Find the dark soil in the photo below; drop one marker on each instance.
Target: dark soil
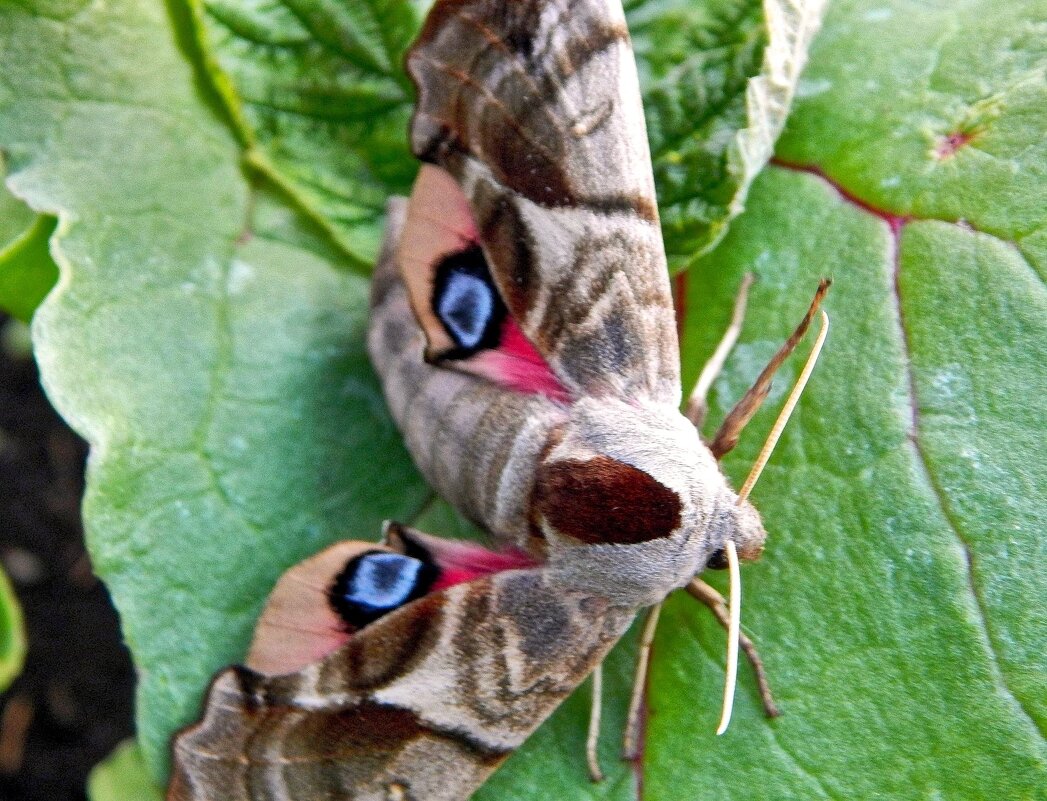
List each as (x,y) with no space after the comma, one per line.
(73,702)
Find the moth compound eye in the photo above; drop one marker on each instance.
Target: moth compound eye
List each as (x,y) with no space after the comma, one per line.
(467,303)
(376,583)
(718,560)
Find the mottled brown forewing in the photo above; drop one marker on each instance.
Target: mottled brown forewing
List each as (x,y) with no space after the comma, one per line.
(534,107)
(423,704)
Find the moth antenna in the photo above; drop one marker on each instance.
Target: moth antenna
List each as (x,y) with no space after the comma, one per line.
(733,632)
(697,405)
(735,622)
(593,739)
(738,418)
(786,412)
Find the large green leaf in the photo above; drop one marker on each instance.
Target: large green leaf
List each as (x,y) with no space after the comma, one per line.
(901,601)
(206,341)
(212,356)
(959,139)
(319,95)
(879,646)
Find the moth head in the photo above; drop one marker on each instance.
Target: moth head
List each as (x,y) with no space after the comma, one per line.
(742,525)
(631,495)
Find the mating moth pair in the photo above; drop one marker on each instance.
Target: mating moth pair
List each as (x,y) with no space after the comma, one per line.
(523,329)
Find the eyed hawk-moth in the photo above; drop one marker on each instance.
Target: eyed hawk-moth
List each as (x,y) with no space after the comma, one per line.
(523,330)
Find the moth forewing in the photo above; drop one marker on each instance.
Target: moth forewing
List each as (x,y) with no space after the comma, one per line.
(418,698)
(523,331)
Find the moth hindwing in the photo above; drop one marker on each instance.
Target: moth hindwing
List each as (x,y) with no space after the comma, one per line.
(523,330)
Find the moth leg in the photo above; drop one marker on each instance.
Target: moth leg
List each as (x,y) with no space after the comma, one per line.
(731,427)
(593,739)
(697,404)
(630,741)
(711,598)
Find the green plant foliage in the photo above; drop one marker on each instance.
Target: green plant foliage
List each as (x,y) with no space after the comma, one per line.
(869,601)
(319,95)
(718,78)
(203,340)
(901,600)
(122,776)
(206,338)
(12,634)
(27,272)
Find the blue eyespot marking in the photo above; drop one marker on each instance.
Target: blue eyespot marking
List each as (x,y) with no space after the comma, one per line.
(467,303)
(383,581)
(376,583)
(465,308)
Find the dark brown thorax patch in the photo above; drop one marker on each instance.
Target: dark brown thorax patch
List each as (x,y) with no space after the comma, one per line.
(604,500)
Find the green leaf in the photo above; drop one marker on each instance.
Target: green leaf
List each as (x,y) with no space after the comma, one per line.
(718,78)
(319,95)
(899,605)
(27,271)
(12,634)
(213,358)
(958,139)
(122,776)
(876,642)
(207,340)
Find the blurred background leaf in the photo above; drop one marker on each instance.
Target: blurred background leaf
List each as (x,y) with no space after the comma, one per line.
(12,634)
(27,271)
(122,776)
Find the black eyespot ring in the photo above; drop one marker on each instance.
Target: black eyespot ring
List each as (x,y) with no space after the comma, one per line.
(466,302)
(718,560)
(378,582)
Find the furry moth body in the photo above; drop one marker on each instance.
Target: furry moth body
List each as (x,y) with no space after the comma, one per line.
(530,125)
(524,334)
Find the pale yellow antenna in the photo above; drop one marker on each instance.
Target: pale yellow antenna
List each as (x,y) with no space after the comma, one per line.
(735,608)
(786,413)
(733,630)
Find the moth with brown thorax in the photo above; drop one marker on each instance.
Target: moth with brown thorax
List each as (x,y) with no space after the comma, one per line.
(523,329)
